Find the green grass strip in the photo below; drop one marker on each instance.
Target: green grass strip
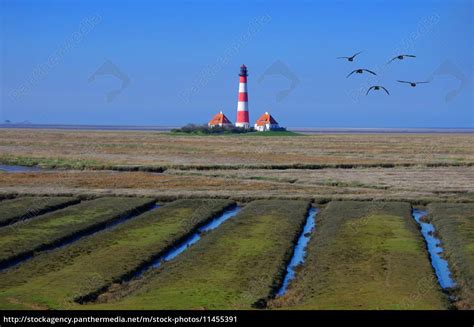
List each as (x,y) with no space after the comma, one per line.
(365,255)
(24,208)
(26,237)
(454,223)
(55,279)
(241,263)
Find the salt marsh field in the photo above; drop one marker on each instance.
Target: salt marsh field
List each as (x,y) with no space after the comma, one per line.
(151,220)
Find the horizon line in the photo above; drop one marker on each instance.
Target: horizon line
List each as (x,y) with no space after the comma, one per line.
(313,129)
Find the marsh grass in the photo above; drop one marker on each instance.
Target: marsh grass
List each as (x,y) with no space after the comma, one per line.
(365,255)
(454,224)
(84,149)
(27,237)
(89,266)
(237,266)
(23,208)
(414,184)
(274,134)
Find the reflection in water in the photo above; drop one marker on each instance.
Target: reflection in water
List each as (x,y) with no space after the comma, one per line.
(439,264)
(300,250)
(19,169)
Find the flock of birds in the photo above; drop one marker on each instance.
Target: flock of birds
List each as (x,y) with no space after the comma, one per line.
(380,87)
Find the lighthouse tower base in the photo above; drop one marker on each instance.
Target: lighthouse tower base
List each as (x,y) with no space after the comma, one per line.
(243,125)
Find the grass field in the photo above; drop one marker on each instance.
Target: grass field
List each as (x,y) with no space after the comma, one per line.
(274,133)
(396,167)
(54,279)
(454,184)
(455,226)
(366,253)
(29,236)
(365,256)
(80,149)
(229,134)
(24,208)
(234,267)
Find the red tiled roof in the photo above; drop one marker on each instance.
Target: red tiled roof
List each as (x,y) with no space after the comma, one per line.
(264,119)
(219,118)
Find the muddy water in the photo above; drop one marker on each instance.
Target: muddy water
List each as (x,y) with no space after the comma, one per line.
(19,169)
(300,250)
(189,241)
(439,264)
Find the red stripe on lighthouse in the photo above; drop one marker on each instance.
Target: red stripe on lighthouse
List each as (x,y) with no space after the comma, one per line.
(243,79)
(243,97)
(242,116)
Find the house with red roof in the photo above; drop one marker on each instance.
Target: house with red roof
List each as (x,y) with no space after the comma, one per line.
(266,123)
(220,120)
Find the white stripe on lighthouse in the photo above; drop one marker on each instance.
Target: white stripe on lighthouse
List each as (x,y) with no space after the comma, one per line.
(242,106)
(242,87)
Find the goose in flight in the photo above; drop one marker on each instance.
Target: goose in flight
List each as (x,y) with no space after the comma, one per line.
(377,87)
(360,71)
(350,58)
(413,84)
(401,57)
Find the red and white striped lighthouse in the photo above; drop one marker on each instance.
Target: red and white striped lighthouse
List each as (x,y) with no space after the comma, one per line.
(243,104)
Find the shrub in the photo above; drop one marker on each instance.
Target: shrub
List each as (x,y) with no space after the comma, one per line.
(204,129)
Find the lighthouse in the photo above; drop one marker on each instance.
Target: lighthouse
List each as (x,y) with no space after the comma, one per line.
(243,102)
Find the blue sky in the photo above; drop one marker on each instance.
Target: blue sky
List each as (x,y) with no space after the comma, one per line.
(182,60)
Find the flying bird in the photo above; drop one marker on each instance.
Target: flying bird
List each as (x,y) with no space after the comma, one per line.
(350,58)
(413,84)
(401,57)
(360,71)
(377,87)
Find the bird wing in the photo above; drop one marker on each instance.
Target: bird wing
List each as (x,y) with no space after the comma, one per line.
(411,56)
(342,58)
(370,88)
(356,54)
(385,90)
(392,59)
(370,71)
(352,72)
(421,82)
(403,82)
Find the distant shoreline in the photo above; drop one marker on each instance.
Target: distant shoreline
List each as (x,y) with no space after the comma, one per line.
(309,130)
